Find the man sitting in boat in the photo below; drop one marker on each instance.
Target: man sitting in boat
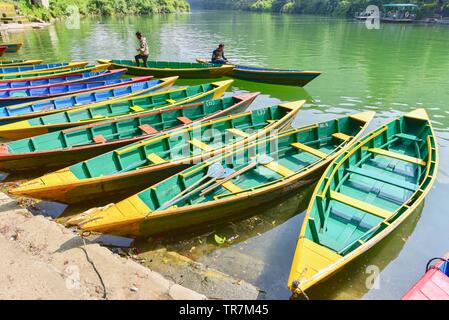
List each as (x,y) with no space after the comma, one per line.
(218,56)
(144,52)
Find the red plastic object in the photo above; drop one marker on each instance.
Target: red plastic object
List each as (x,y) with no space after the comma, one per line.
(434,285)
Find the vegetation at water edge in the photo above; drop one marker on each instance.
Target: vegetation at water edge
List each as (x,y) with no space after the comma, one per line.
(346,8)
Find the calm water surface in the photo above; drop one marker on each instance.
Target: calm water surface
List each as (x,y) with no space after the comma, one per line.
(390,71)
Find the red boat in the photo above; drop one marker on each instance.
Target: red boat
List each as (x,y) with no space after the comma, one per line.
(2,50)
(434,285)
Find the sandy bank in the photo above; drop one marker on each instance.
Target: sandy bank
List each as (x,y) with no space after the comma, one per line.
(44,260)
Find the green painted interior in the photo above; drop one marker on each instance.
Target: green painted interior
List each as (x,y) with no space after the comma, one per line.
(123,107)
(280,149)
(121,129)
(176,146)
(375,179)
(170,65)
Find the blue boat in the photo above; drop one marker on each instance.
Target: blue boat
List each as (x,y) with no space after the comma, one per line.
(289,77)
(274,76)
(64,79)
(43,67)
(48,106)
(14,96)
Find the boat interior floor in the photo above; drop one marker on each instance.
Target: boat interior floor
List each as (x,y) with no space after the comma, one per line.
(369,193)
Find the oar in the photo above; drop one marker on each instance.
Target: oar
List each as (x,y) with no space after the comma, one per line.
(214,172)
(263,159)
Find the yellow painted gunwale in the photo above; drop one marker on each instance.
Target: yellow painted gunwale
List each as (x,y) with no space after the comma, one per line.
(335,267)
(269,70)
(224,66)
(23,63)
(95,68)
(244,194)
(70,66)
(72,182)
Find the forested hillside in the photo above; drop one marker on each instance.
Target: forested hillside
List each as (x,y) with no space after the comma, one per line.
(326,7)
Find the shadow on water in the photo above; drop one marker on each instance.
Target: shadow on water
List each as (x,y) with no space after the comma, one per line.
(280,92)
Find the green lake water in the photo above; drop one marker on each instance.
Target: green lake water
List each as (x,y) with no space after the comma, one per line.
(390,71)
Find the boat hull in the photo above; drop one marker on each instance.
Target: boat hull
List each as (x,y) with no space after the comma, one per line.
(95,188)
(70,90)
(187,73)
(299,78)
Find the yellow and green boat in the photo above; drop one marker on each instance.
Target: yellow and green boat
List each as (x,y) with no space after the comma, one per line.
(224,186)
(18,63)
(140,164)
(60,148)
(104,111)
(365,193)
(185,70)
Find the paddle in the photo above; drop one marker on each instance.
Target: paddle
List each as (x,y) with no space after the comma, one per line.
(215,171)
(263,159)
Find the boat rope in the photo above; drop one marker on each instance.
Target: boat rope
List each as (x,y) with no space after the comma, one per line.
(93,266)
(296,286)
(428,266)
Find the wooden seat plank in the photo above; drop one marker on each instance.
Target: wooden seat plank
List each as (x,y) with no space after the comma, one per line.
(310,150)
(397,156)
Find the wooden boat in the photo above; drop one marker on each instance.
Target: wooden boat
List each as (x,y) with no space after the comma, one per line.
(65,79)
(18,63)
(363,195)
(434,285)
(45,74)
(104,111)
(271,75)
(253,175)
(12,47)
(16,96)
(69,102)
(136,166)
(2,50)
(76,144)
(8,71)
(185,70)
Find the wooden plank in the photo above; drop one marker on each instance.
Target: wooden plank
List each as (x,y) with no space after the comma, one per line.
(99,139)
(148,129)
(231,187)
(136,108)
(398,156)
(237,132)
(361,205)
(201,145)
(341,136)
(310,150)
(375,176)
(184,120)
(154,158)
(278,168)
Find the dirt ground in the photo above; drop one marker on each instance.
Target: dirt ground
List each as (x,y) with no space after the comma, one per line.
(43,260)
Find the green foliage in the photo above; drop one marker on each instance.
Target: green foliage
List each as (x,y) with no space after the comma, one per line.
(58,8)
(325,7)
